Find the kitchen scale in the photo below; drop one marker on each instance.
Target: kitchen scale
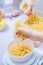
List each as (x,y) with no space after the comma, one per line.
(36,59)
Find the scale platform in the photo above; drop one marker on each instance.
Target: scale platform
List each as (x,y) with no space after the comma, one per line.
(36,59)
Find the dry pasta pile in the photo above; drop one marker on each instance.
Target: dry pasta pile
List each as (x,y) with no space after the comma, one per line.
(19,50)
(19,24)
(35,22)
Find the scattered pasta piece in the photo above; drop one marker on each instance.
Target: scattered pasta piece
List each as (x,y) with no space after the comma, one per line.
(35,22)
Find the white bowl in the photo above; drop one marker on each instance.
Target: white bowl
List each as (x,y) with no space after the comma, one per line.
(27,42)
(2,25)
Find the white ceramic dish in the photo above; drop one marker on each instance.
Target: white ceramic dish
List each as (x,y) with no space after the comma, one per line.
(27,42)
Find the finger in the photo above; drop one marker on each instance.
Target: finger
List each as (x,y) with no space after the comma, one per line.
(25,30)
(31,33)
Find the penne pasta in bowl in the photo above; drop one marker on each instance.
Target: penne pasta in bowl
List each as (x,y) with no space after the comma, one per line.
(20,51)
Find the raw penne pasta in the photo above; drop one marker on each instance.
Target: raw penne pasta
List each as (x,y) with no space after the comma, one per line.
(20,50)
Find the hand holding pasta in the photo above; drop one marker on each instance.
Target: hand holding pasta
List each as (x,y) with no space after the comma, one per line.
(35,26)
(18,33)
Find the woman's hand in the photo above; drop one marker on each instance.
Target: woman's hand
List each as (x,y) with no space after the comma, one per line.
(27,7)
(34,35)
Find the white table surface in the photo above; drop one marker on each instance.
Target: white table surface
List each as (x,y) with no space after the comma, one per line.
(7,35)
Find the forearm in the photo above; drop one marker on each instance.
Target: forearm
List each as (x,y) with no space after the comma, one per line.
(38,36)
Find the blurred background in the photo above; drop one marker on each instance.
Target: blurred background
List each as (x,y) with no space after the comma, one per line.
(12,4)
(4,3)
